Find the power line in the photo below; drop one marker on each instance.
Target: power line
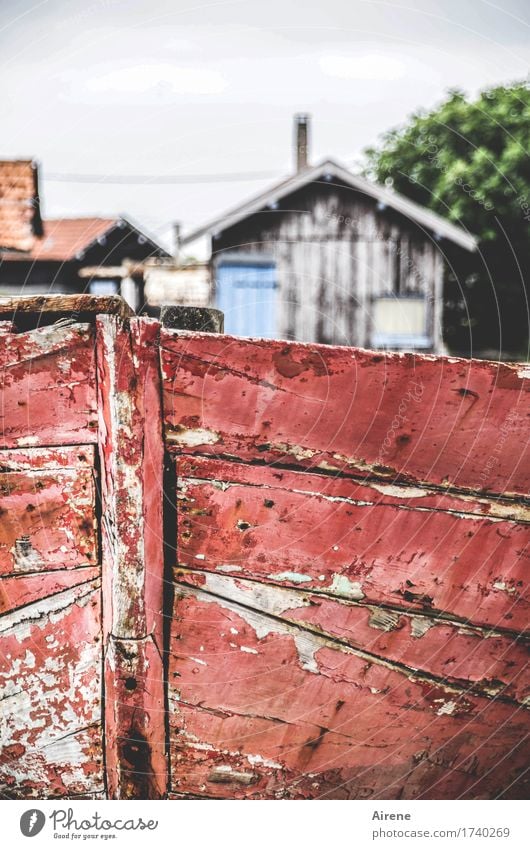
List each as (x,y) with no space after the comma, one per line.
(159,179)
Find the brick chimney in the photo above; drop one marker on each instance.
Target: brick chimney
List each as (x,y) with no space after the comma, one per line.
(301,141)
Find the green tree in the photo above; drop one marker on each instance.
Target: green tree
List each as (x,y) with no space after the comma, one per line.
(468,161)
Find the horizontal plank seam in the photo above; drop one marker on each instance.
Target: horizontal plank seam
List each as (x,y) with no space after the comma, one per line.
(337,642)
(93,583)
(362,503)
(70,734)
(248,378)
(397,479)
(435,616)
(61,569)
(322,729)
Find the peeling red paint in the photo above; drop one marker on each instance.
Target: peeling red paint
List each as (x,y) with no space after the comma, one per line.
(47,510)
(311,719)
(48,387)
(50,689)
(349,617)
(428,552)
(131,452)
(338,412)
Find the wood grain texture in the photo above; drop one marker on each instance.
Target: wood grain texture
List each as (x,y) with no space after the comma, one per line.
(264,709)
(47,509)
(66,305)
(21,590)
(342,639)
(412,549)
(483,661)
(441,421)
(50,692)
(131,457)
(48,387)
(351,583)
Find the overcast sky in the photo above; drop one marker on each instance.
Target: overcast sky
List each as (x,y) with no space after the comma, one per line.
(180,87)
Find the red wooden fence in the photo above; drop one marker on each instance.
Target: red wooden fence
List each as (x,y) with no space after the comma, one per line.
(258,569)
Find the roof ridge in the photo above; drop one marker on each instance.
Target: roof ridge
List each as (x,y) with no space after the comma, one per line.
(409,208)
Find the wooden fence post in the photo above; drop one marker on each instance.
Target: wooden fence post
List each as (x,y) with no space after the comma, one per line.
(131,455)
(200,319)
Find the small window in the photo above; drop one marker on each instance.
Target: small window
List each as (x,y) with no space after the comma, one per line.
(400,322)
(103,287)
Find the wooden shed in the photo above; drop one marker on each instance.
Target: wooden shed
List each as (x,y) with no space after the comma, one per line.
(328,256)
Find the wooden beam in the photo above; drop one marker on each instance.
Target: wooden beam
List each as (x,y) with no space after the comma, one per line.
(131,456)
(74,305)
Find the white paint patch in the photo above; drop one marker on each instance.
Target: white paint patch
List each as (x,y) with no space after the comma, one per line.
(27,440)
(419,625)
(256,760)
(228,567)
(194,438)
(306,644)
(268,599)
(342,586)
(447,708)
(502,585)
(400,491)
(293,577)
(384,620)
(200,557)
(294,450)
(248,650)
(201,662)
(66,751)
(524,372)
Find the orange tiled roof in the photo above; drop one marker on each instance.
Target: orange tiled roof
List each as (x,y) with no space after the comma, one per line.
(63,238)
(19,205)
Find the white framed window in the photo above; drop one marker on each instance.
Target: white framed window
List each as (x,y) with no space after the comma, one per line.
(400,321)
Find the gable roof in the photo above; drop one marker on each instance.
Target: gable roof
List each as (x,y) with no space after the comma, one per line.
(328,171)
(67,239)
(19,204)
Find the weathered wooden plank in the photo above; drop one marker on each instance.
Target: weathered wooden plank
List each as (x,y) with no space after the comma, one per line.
(486,662)
(263,709)
(360,542)
(50,691)
(38,459)
(48,387)
(444,421)
(47,509)
(131,455)
(65,305)
(20,590)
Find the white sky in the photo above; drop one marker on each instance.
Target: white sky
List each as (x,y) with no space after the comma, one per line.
(182,87)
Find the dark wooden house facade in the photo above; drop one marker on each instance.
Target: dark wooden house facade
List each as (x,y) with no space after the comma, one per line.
(327,256)
(46,256)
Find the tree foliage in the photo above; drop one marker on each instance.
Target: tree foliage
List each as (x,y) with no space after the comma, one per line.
(468,161)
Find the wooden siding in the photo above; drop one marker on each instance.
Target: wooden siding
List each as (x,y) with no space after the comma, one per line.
(311,580)
(48,387)
(50,593)
(336,251)
(347,623)
(131,453)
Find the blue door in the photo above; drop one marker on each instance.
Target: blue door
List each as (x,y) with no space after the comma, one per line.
(246,293)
